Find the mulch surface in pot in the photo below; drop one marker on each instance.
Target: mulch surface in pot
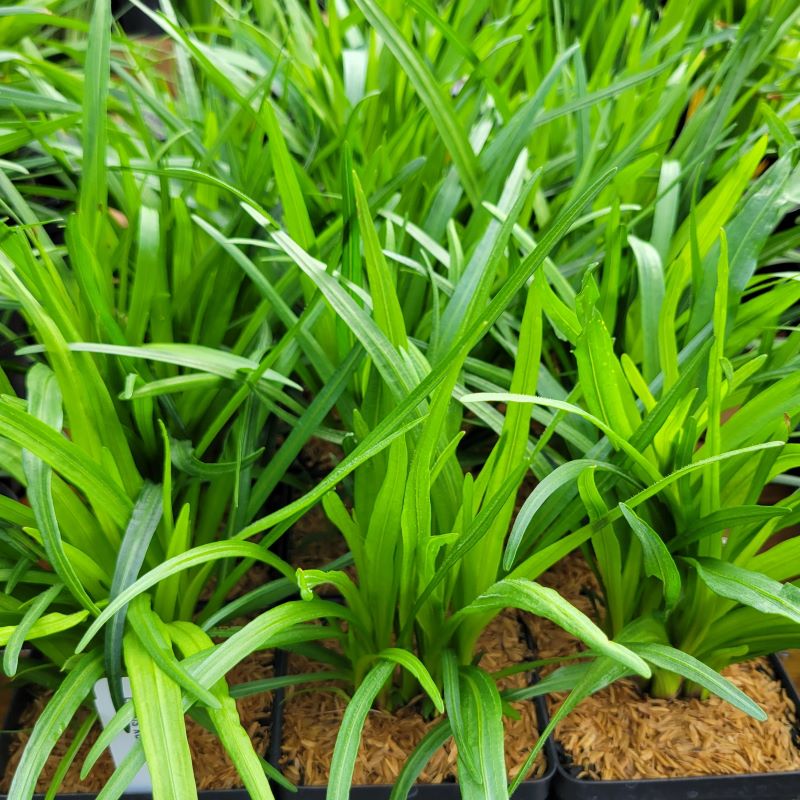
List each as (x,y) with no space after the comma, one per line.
(313,542)
(620,733)
(212,768)
(312,718)
(319,456)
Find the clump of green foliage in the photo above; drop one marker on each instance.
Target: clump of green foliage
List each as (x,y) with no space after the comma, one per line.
(371,223)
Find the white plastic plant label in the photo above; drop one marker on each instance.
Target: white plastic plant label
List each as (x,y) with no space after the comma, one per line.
(124,741)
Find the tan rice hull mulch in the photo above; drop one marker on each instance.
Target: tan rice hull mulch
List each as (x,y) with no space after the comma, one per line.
(621,734)
(212,767)
(311,723)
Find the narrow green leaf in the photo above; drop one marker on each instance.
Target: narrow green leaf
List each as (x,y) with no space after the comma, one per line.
(482,734)
(44,404)
(544,602)
(33,614)
(607,551)
(666,207)
(225,716)
(710,498)
(385,305)
(183,457)
(472,291)
(749,588)
(658,562)
(616,440)
(651,296)
(144,520)
(409,662)
(123,775)
(68,758)
(598,674)
(67,458)
(157,702)
(419,758)
(53,721)
(437,103)
(191,558)
(119,722)
(349,736)
(399,377)
(192,356)
(696,671)
(294,208)
(46,625)
(561,476)
(452,696)
(607,393)
(147,628)
(732,517)
(93,199)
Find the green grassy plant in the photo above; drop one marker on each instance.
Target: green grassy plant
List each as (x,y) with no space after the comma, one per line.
(722,383)
(357,223)
(680,534)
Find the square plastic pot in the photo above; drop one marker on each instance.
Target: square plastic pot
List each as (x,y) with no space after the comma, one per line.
(753,786)
(20,701)
(535,789)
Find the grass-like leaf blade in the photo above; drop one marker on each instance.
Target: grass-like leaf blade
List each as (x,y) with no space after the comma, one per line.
(144,520)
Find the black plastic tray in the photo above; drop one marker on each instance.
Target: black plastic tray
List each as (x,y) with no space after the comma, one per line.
(535,789)
(754,786)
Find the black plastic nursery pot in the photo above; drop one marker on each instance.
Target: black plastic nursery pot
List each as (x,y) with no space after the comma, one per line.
(133,21)
(20,701)
(763,786)
(535,789)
